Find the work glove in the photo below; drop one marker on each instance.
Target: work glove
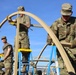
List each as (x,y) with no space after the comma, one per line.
(73,43)
(49,42)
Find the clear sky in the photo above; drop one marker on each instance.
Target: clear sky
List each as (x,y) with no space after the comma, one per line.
(47,10)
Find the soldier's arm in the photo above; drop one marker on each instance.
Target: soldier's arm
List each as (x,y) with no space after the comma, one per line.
(73,43)
(49,40)
(8,52)
(54,29)
(69,44)
(27,22)
(72,34)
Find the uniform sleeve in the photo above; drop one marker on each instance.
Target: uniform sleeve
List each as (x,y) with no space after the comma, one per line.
(27,19)
(73,43)
(54,29)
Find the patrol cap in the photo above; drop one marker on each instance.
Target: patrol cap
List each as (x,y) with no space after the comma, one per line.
(66,9)
(4,37)
(21,8)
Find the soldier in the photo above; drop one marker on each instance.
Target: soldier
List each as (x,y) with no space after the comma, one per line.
(7,58)
(24,22)
(65,30)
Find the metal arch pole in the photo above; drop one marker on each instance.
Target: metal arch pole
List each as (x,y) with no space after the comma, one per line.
(54,38)
(56,61)
(41,53)
(51,54)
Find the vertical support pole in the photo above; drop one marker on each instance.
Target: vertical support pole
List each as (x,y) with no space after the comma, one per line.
(28,64)
(51,54)
(16,47)
(56,61)
(41,53)
(19,61)
(32,61)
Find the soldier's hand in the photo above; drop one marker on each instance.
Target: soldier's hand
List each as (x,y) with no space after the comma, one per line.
(73,44)
(8,18)
(48,43)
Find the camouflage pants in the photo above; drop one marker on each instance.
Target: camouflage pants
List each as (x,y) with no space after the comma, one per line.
(7,68)
(23,43)
(71,55)
(23,40)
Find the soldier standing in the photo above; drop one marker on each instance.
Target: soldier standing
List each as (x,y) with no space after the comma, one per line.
(24,22)
(8,58)
(65,30)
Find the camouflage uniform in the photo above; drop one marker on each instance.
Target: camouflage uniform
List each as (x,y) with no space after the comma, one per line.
(23,32)
(65,31)
(8,62)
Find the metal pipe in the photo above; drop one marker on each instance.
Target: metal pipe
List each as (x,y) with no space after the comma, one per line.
(41,53)
(16,47)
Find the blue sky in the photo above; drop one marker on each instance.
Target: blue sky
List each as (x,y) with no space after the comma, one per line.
(47,10)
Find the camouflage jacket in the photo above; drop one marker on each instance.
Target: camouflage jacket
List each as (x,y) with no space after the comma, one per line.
(5,48)
(22,21)
(64,31)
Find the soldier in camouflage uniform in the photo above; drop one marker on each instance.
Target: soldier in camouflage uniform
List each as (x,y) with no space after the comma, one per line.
(7,59)
(65,30)
(24,22)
